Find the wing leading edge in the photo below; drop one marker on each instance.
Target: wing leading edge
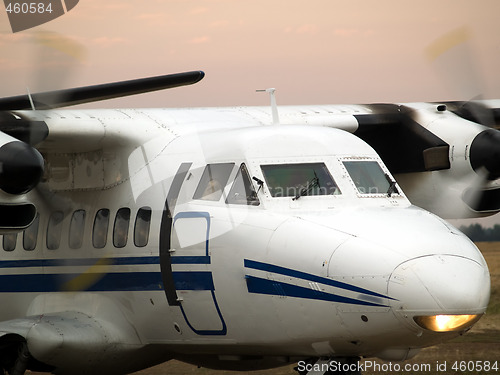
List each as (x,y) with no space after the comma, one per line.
(88,94)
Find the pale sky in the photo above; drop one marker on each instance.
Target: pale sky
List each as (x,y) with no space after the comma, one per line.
(312,52)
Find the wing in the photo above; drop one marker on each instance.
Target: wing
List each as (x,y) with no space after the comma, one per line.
(88,94)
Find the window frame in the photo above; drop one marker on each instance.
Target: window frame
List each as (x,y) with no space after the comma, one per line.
(54,230)
(11,236)
(121,231)
(369,191)
(138,227)
(30,234)
(100,228)
(294,191)
(219,181)
(243,175)
(75,239)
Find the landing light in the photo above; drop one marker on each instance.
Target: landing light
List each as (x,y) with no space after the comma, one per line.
(446,323)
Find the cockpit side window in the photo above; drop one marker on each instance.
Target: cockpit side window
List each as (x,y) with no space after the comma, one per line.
(212,181)
(368,176)
(296,180)
(242,191)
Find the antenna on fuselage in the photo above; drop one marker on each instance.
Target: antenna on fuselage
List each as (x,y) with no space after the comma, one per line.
(274,107)
(31,99)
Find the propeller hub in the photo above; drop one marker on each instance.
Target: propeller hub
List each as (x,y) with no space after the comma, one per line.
(21,167)
(485,153)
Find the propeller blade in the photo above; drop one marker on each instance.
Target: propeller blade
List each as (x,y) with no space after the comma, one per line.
(485,153)
(88,94)
(481,195)
(451,56)
(475,111)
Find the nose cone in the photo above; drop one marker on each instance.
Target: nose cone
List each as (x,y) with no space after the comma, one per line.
(439,285)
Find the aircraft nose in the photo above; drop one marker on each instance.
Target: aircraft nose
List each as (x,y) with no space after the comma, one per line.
(440,292)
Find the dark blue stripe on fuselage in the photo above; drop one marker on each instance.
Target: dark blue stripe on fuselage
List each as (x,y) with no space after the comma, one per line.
(46,283)
(307,276)
(190,259)
(83,281)
(102,282)
(20,263)
(271,287)
(105,281)
(193,280)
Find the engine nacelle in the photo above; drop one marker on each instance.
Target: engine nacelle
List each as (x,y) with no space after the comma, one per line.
(21,166)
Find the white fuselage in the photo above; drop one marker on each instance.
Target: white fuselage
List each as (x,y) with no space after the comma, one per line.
(218,279)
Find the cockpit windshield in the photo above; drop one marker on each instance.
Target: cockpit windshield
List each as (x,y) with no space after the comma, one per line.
(369,177)
(296,180)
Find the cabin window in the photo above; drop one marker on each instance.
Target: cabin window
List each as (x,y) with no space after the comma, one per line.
(368,176)
(242,191)
(141,226)
(120,229)
(76,229)
(9,241)
(30,235)
(296,180)
(100,229)
(212,181)
(54,230)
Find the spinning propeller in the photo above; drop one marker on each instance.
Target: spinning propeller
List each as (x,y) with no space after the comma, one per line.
(451,55)
(22,166)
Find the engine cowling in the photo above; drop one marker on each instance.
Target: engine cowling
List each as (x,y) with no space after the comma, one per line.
(21,166)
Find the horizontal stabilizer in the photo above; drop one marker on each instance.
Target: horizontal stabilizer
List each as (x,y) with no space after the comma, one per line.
(88,94)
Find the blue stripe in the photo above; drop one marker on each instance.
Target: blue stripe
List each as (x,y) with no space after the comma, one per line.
(22,263)
(190,259)
(307,276)
(193,280)
(271,287)
(127,281)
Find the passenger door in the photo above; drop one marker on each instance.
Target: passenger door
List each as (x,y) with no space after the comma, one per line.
(189,258)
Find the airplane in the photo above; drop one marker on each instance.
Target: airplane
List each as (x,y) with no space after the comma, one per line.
(237,238)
